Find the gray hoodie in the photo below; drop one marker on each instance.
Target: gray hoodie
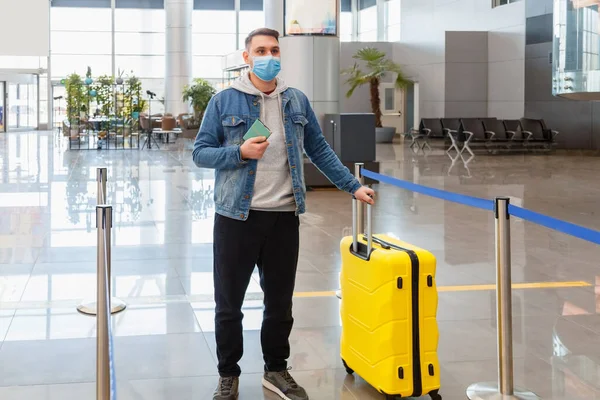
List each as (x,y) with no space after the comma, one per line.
(273,189)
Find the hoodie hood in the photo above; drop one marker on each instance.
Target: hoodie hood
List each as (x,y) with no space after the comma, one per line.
(245,85)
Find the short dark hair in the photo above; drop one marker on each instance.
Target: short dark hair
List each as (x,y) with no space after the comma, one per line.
(261,32)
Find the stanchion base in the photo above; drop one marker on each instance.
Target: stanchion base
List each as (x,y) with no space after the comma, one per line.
(490,391)
(90,308)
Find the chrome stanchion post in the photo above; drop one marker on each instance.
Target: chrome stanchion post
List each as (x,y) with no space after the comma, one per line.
(504,389)
(504,298)
(360,213)
(117,305)
(103,224)
(101,174)
(358,221)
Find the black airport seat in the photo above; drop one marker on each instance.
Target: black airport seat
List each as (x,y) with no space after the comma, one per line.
(451,125)
(429,128)
(474,130)
(432,127)
(464,133)
(496,126)
(452,128)
(513,125)
(537,132)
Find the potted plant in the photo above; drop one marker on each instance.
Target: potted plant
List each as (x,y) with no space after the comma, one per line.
(119,80)
(134,104)
(76,98)
(88,76)
(377,66)
(198,94)
(104,94)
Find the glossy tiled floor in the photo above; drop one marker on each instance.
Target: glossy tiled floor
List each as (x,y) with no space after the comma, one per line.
(162,267)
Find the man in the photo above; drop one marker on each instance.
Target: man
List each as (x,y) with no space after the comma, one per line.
(259,194)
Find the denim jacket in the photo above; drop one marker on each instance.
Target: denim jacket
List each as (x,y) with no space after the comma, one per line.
(227,118)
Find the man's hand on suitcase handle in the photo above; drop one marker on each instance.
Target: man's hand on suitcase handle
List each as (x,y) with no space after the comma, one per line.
(365,194)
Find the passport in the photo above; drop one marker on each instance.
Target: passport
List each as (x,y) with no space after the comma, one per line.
(257,129)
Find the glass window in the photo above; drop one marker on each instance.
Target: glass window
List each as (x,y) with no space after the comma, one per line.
(142,66)
(496,3)
(208,67)
(389,99)
(346,5)
(207,21)
(80,19)
(81,3)
(127,20)
(137,4)
(367,36)
(157,86)
(254,5)
(43,85)
(214,4)
(213,44)
(362,4)
(129,43)
(32,101)
(392,20)
(346,27)
(393,33)
(251,20)
(81,43)
(367,20)
(392,12)
(63,65)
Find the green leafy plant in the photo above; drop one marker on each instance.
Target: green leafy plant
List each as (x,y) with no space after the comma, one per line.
(198,94)
(105,94)
(377,66)
(133,96)
(76,96)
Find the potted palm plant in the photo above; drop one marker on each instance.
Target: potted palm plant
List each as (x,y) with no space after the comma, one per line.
(377,67)
(198,95)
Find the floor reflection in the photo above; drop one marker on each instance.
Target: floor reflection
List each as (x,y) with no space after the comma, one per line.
(163,213)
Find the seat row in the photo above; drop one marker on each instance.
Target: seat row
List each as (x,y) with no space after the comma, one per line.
(492,133)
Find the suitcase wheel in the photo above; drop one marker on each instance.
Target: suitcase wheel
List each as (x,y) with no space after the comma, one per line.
(349,370)
(435,395)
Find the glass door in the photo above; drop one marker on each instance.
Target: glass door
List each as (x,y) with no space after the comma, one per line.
(2,106)
(22,106)
(14,113)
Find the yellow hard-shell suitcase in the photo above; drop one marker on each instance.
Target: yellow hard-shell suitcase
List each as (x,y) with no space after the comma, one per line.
(388,311)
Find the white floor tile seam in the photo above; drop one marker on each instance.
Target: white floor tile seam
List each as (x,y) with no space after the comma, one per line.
(209,298)
(132,301)
(7,330)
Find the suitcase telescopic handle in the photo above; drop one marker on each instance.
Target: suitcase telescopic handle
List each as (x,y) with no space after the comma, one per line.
(368,226)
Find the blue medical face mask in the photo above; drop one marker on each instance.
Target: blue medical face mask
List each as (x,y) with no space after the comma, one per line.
(266,68)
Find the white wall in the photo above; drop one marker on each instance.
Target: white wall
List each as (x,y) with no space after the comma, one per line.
(422,50)
(24,27)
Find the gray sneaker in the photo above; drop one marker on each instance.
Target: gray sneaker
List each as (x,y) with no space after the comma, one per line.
(227,389)
(282,384)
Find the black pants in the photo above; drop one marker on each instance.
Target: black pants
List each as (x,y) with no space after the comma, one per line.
(269,240)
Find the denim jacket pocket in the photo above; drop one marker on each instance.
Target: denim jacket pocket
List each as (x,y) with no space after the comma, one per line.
(299,122)
(234,128)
